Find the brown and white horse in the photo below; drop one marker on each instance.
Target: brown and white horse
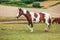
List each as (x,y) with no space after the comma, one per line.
(56,20)
(31,16)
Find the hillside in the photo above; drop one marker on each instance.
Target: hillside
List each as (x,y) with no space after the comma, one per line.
(48,3)
(10,11)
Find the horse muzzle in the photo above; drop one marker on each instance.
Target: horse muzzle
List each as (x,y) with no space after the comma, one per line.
(17,17)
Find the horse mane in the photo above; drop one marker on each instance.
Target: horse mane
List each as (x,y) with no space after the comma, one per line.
(19,9)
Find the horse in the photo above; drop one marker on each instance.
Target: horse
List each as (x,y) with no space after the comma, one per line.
(56,20)
(38,17)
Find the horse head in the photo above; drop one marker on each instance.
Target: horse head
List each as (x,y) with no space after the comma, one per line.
(20,13)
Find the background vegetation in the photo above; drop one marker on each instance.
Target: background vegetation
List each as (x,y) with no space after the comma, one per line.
(21,3)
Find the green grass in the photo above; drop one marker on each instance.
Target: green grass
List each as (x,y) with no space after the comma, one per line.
(2,19)
(21,32)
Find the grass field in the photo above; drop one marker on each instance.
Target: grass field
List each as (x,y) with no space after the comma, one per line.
(21,32)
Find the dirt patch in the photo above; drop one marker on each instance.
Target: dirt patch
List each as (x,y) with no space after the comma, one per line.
(8,11)
(14,22)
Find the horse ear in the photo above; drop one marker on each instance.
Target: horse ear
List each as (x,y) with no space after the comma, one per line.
(19,8)
(27,11)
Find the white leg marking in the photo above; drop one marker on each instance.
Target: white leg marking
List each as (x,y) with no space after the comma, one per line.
(47,27)
(31,29)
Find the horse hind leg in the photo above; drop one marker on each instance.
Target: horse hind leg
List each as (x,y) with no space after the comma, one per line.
(48,23)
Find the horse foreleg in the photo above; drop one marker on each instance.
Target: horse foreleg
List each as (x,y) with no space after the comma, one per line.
(30,26)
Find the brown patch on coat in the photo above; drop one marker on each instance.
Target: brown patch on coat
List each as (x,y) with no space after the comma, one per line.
(28,16)
(42,17)
(56,20)
(35,15)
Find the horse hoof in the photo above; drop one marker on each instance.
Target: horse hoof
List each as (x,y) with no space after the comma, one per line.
(31,31)
(46,30)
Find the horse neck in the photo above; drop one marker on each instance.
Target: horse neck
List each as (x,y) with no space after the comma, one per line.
(28,16)
(25,15)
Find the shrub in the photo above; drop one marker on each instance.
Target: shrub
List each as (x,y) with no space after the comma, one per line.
(30,1)
(2,1)
(36,4)
(27,1)
(40,0)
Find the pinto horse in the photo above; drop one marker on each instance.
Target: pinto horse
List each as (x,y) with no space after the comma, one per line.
(56,20)
(31,16)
